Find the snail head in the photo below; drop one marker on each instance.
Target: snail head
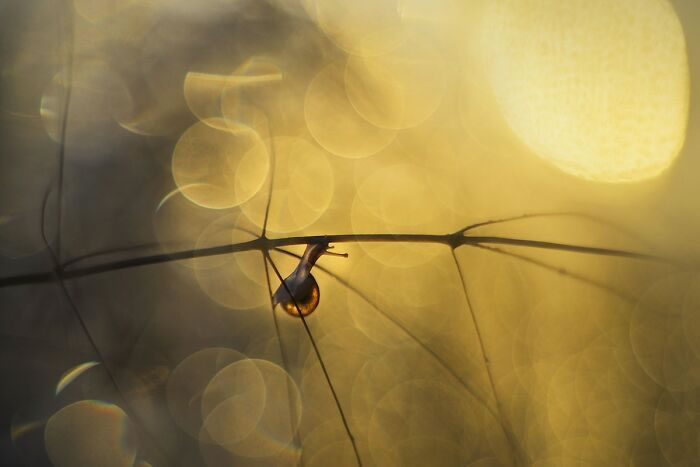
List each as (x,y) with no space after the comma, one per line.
(317,249)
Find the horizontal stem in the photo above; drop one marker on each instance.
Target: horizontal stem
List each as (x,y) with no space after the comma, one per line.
(454,240)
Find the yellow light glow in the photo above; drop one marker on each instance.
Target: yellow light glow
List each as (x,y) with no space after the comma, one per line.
(203,91)
(70,375)
(188,381)
(252,408)
(99,98)
(397,90)
(598,88)
(385,436)
(270,89)
(364,27)
(304,186)
(333,121)
(223,163)
(90,432)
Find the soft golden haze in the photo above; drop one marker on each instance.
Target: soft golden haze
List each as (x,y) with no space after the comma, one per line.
(598,88)
(515,184)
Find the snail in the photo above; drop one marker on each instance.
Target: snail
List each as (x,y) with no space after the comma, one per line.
(301,283)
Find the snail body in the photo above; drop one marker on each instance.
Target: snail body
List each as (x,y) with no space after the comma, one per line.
(305,293)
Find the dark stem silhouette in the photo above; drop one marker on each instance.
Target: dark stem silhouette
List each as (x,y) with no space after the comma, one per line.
(320,361)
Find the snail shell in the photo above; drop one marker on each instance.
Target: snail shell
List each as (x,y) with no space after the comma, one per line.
(305,293)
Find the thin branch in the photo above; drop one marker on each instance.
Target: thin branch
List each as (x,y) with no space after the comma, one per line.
(579,277)
(266,244)
(562,271)
(408,333)
(52,253)
(110,373)
(56,254)
(83,326)
(64,123)
(28,279)
(359,293)
(142,246)
(517,453)
(590,250)
(579,215)
(211,251)
(64,289)
(320,361)
(273,161)
(283,354)
(111,251)
(516,218)
(455,234)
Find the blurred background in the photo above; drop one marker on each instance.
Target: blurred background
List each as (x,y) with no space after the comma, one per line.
(131,128)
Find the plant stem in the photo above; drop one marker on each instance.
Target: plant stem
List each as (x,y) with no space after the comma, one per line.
(454,240)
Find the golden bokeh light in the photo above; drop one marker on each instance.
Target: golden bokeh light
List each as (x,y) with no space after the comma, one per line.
(513,183)
(273,89)
(384,371)
(667,357)
(396,198)
(333,121)
(222,163)
(98,100)
(168,228)
(399,196)
(304,184)
(317,402)
(90,432)
(151,119)
(205,92)
(600,89)
(188,381)
(252,408)
(399,191)
(389,441)
(70,375)
(364,28)
(221,277)
(397,90)
(444,156)
(405,294)
(233,403)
